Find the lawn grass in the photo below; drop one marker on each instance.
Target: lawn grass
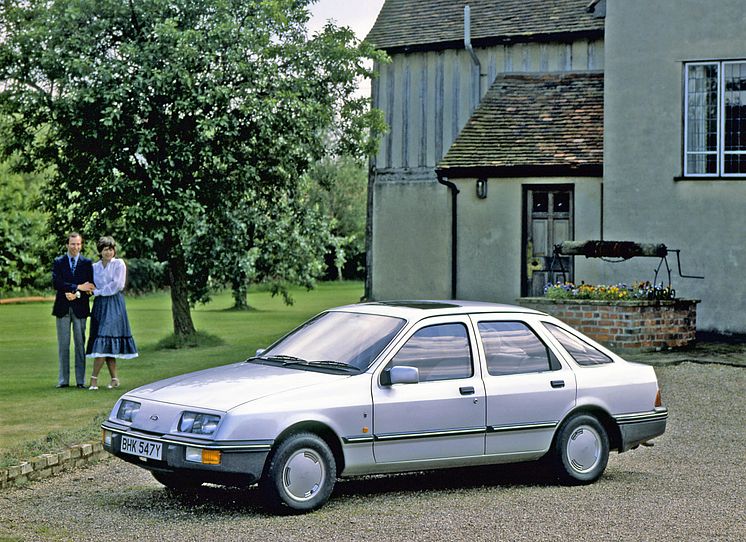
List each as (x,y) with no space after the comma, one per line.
(36,417)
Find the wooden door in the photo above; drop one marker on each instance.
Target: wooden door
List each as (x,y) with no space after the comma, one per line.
(548,220)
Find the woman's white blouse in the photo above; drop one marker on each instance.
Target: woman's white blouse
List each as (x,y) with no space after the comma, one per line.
(109,280)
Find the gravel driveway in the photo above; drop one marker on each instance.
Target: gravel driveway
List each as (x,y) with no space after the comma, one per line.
(690,486)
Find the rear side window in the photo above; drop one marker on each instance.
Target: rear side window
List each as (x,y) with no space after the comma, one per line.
(512,348)
(582,352)
(439,352)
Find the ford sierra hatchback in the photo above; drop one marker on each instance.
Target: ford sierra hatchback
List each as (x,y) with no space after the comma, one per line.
(392,387)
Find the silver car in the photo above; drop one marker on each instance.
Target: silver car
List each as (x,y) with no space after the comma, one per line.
(392,387)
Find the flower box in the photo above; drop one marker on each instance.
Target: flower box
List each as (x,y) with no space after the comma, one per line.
(639,325)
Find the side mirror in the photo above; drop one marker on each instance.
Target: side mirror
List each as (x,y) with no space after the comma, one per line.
(260,351)
(400,374)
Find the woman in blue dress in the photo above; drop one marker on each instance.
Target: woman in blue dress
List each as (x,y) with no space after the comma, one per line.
(110,335)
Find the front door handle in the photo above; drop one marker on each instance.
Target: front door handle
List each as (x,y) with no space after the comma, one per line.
(558,383)
(466,390)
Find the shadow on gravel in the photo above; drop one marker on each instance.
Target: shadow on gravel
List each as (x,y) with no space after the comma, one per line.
(506,475)
(206,500)
(224,501)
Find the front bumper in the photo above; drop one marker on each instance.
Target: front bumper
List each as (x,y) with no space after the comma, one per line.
(641,427)
(241,462)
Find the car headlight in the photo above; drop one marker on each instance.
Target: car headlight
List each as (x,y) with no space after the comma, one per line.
(198,423)
(127,410)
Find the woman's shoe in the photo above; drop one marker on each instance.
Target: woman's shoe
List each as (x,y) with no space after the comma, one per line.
(113,384)
(94,383)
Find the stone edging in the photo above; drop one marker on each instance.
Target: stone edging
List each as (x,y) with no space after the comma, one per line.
(46,465)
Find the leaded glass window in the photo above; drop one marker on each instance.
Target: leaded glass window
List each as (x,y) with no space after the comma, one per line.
(734,113)
(701,119)
(715,119)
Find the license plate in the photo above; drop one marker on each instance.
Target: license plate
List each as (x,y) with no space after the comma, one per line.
(141,448)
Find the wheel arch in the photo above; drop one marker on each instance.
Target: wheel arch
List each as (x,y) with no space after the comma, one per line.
(605,419)
(319,429)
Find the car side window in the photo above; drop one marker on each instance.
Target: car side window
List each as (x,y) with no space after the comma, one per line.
(513,348)
(440,352)
(582,352)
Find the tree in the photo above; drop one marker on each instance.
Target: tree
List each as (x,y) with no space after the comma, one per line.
(26,250)
(290,237)
(339,189)
(167,116)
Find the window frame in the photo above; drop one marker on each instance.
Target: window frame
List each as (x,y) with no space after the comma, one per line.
(553,364)
(426,325)
(546,324)
(720,152)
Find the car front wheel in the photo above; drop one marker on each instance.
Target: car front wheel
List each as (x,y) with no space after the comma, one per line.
(301,474)
(581,450)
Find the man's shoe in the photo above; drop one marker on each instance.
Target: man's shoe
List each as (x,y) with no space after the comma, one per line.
(62,386)
(82,386)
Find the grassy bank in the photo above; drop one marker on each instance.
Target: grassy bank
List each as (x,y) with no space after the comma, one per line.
(36,417)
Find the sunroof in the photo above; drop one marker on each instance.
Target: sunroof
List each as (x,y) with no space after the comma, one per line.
(418,304)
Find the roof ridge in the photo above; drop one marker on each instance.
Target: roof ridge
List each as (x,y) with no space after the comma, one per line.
(439,23)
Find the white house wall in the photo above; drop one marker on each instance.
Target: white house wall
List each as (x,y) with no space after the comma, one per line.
(411,238)
(646,46)
(490,233)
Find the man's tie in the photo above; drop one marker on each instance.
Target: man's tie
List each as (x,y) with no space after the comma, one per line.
(72,265)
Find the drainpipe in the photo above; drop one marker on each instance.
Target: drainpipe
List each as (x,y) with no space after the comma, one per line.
(467,45)
(454,232)
(590,8)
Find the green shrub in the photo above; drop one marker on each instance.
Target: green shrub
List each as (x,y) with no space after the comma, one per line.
(145,276)
(27,247)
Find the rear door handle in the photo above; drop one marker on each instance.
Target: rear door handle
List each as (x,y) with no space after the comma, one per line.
(558,383)
(466,390)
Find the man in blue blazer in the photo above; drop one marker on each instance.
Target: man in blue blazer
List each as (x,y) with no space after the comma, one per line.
(72,277)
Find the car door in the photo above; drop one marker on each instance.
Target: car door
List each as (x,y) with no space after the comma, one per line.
(528,388)
(443,414)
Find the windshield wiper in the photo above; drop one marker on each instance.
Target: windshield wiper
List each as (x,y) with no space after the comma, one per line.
(286,360)
(294,360)
(279,358)
(331,363)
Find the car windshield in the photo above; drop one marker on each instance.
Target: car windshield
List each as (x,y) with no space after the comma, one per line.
(336,339)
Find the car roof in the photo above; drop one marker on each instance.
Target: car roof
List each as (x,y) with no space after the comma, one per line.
(419,308)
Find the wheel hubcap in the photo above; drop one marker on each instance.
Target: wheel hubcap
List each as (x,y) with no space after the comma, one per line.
(303,475)
(584,449)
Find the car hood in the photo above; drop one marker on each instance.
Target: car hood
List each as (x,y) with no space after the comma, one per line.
(226,387)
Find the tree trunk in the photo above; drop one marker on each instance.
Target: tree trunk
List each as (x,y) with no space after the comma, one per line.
(240,296)
(240,287)
(182,316)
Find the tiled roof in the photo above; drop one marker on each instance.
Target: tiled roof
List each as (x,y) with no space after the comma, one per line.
(403,24)
(548,122)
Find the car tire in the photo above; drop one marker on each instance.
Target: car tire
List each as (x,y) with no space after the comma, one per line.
(581,450)
(300,475)
(175,481)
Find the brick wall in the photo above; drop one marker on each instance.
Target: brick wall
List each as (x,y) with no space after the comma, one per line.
(626,326)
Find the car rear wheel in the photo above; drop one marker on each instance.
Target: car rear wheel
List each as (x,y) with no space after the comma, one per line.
(301,474)
(175,481)
(581,450)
